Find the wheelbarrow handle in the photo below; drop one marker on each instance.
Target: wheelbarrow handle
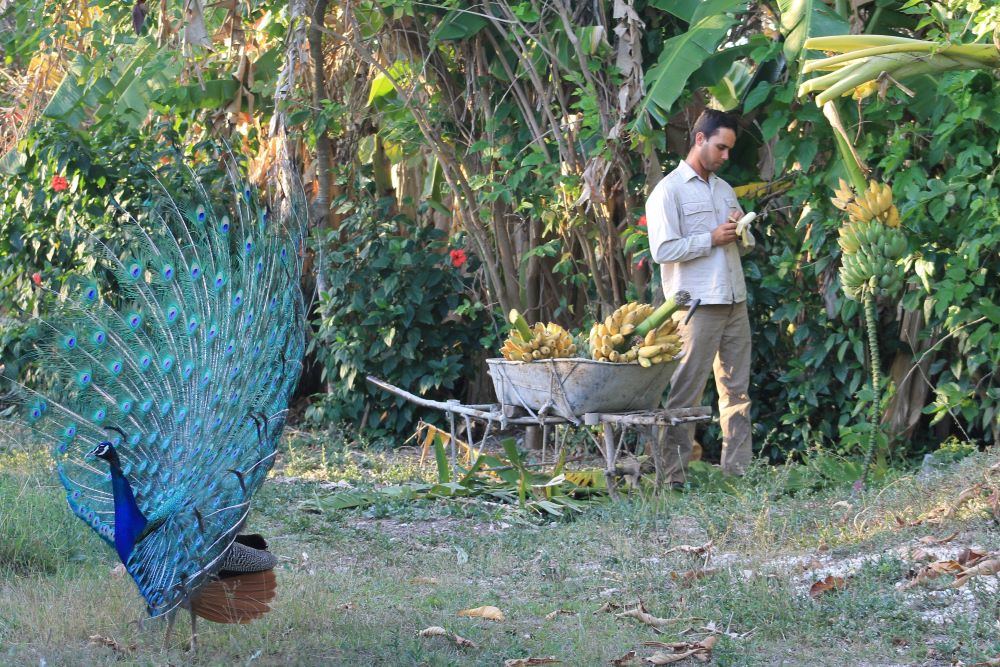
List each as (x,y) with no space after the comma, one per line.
(693,307)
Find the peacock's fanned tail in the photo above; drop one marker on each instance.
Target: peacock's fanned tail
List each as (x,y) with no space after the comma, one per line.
(181,348)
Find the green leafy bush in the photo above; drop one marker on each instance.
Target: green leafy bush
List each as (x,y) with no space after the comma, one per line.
(397,308)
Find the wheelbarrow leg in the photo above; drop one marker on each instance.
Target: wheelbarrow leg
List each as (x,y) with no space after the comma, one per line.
(657,442)
(610,454)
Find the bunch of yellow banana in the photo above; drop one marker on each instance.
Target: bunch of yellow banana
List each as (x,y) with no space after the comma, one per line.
(875,203)
(864,63)
(613,332)
(543,341)
(659,345)
(612,340)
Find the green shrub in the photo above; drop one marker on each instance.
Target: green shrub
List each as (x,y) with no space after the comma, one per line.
(396,308)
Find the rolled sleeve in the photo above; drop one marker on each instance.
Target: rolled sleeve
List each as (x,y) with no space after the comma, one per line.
(667,243)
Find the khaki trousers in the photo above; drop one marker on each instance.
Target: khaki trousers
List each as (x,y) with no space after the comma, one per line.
(717,338)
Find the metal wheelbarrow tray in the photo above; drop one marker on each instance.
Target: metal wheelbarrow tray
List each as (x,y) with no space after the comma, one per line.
(574,387)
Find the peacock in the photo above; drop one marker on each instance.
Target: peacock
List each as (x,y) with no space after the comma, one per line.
(170,364)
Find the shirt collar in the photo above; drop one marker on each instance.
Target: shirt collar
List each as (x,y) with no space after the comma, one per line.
(688,172)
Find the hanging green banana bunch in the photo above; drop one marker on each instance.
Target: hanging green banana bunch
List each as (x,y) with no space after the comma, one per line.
(872,241)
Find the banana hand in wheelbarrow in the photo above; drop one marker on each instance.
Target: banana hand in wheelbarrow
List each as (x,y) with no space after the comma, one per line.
(543,341)
(636,333)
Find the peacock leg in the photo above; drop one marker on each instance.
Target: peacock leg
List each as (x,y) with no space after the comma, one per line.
(194,632)
(171,616)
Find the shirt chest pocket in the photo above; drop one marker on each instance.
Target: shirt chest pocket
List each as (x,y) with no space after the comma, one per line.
(699,216)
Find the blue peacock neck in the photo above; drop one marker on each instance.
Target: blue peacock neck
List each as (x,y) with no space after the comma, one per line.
(129,520)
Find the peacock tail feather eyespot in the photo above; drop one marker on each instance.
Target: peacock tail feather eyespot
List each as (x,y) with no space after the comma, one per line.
(36,411)
(134,270)
(192,325)
(99,337)
(206,376)
(90,293)
(62,448)
(166,363)
(69,432)
(69,341)
(230,346)
(186,369)
(165,407)
(171,312)
(220,280)
(84,378)
(238,300)
(146,406)
(145,360)
(260,265)
(224,224)
(200,213)
(213,331)
(195,271)
(125,406)
(134,320)
(99,415)
(167,272)
(115,366)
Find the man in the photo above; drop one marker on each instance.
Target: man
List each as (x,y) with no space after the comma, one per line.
(691,216)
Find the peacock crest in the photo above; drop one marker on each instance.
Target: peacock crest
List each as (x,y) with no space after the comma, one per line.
(179,350)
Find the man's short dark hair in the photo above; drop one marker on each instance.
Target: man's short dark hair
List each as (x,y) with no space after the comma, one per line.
(710,121)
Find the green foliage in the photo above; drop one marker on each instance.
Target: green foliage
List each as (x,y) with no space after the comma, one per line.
(396,308)
(507,479)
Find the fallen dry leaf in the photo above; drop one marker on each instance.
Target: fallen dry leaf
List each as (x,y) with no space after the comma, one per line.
(437,631)
(964,497)
(968,557)
(100,640)
(688,549)
(607,607)
(993,662)
(829,584)
(118,571)
(640,614)
(625,660)
(984,568)
(488,612)
(525,662)
(930,539)
(901,522)
(692,575)
(932,571)
(811,565)
(425,580)
(552,614)
(701,651)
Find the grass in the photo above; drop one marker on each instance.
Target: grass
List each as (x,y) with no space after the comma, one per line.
(348,593)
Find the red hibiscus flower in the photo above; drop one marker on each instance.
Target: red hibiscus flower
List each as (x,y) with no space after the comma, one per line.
(642,221)
(458,258)
(59,183)
(36,278)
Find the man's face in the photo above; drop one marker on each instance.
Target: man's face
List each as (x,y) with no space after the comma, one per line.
(714,150)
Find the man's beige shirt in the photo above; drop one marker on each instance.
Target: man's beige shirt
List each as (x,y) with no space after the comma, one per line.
(681,213)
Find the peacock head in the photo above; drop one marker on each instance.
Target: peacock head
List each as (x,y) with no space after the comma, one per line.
(105,450)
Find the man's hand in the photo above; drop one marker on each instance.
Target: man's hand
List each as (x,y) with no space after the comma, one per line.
(724,234)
